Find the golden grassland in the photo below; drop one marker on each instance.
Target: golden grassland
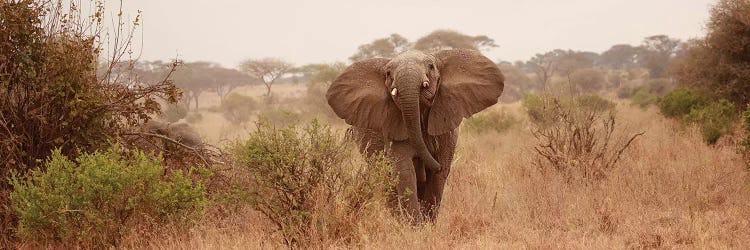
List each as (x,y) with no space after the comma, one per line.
(668,190)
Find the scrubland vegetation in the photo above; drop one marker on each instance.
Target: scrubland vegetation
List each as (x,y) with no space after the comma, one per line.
(644,146)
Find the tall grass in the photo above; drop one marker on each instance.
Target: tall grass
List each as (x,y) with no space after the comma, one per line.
(671,190)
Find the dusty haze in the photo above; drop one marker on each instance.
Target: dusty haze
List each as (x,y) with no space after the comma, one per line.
(226,31)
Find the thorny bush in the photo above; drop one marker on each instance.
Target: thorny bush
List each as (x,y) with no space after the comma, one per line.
(576,136)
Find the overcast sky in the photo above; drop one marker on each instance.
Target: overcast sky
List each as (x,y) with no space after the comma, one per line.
(228,31)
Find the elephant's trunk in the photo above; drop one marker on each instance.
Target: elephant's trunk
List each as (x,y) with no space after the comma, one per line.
(409,102)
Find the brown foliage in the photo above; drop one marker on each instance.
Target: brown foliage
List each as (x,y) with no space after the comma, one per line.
(720,62)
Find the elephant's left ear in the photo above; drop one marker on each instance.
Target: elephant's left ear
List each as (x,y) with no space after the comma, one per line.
(469,83)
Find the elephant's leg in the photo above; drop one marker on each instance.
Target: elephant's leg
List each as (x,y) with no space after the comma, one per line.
(432,192)
(402,154)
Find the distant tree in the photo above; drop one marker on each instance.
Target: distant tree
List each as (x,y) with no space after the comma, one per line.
(194,78)
(517,83)
(225,80)
(720,62)
(449,39)
(656,53)
(570,61)
(384,47)
(586,80)
(620,56)
(544,66)
(266,69)
(323,73)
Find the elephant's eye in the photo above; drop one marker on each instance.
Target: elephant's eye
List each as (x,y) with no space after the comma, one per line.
(431,66)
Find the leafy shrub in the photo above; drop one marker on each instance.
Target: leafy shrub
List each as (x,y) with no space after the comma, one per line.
(575,137)
(680,102)
(174,112)
(307,181)
(95,199)
(238,108)
(491,120)
(644,98)
(715,119)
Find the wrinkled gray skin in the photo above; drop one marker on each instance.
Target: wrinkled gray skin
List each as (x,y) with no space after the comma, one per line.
(179,131)
(411,106)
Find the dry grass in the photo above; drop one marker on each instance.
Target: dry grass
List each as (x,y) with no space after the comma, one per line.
(668,190)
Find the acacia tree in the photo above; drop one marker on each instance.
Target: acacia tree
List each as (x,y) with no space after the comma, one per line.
(620,56)
(268,70)
(384,47)
(544,66)
(323,73)
(657,52)
(449,39)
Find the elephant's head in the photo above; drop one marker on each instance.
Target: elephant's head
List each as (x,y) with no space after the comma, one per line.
(398,95)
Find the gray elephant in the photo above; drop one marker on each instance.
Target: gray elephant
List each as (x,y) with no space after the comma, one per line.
(179,131)
(411,106)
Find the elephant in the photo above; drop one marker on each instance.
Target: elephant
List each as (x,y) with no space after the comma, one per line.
(179,131)
(411,106)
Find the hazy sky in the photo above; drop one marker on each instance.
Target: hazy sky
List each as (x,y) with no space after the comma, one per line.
(228,31)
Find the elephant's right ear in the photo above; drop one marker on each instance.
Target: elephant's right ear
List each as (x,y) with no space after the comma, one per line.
(360,96)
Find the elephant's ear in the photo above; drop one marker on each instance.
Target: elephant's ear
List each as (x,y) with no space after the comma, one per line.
(469,83)
(360,97)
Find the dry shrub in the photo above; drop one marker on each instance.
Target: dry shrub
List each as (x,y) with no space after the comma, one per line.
(671,190)
(576,137)
(307,181)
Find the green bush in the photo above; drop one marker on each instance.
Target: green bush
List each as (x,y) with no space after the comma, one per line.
(680,102)
(491,120)
(644,98)
(309,183)
(715,119)
(238,108)
(174,112)
(95,199)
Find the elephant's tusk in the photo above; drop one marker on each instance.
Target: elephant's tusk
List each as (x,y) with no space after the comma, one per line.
(394,92)
(425,84)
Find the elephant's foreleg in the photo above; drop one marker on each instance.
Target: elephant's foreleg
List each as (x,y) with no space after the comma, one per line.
(432,190)
(401,154)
